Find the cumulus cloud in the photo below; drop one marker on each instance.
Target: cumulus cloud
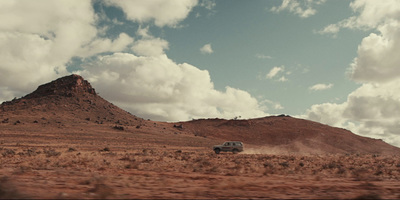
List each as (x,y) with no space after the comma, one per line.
(372,13)
(321,86)
(378,59)
(155,87)
(206,49)
(327,113)
(150,47)
(101,45)
(163,13)
(369,15)
(38,39)
(373,109)
(302,8)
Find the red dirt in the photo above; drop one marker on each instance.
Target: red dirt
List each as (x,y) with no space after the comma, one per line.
(65,141)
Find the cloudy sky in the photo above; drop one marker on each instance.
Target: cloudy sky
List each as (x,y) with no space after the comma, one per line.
(334,62)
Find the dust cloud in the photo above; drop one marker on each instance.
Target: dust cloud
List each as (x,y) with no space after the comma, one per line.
(262,150)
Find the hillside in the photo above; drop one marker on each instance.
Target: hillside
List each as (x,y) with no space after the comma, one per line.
(67,100)
(287,134)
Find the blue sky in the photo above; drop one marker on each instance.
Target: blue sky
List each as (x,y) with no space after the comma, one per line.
(248,40)
(329,61)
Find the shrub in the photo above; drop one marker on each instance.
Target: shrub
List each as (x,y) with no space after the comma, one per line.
(51,152)
(8,153)
(284,164)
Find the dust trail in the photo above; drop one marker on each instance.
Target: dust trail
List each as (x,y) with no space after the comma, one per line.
(263,150)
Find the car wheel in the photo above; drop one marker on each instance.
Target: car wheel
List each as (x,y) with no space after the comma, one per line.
(217,151)
(235,151)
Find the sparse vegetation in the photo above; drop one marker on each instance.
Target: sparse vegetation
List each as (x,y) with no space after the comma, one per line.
(365,172)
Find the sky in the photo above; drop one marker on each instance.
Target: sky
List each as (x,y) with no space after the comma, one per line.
(329,61)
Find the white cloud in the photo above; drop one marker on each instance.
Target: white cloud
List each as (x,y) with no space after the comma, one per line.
(330,29)
(378,59)
(150,47)
(206,49)
(38,39)
(369,15)
(163,13)
(144,33)
(208,4)
(321,86)
(101,45)
(275,71)
(302,8)
(274,105)
(327,113)
(157,88)
(373,109)
(262,56)
(282,79)
(373,13)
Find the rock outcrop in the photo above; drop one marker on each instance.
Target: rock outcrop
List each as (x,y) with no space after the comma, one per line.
(68,86)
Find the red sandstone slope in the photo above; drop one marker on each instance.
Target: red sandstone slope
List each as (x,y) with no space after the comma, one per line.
(289,134)
(69,99)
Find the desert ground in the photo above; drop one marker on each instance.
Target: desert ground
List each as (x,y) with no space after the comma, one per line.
(61,161)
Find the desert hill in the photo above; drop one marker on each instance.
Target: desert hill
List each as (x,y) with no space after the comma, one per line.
(287,134)
(71,101)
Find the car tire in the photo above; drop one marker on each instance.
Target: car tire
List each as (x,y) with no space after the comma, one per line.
(235,151)
(217,151)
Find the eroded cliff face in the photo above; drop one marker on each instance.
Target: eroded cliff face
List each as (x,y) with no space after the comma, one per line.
(69,86)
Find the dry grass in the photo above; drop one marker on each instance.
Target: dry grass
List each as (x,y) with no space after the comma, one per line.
(119,174)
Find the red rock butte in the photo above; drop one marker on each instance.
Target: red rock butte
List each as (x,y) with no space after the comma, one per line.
(68,86)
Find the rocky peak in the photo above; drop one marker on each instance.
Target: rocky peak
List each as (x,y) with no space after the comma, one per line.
(69,86)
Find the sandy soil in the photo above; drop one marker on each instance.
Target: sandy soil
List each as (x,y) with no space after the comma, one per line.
(98,161)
